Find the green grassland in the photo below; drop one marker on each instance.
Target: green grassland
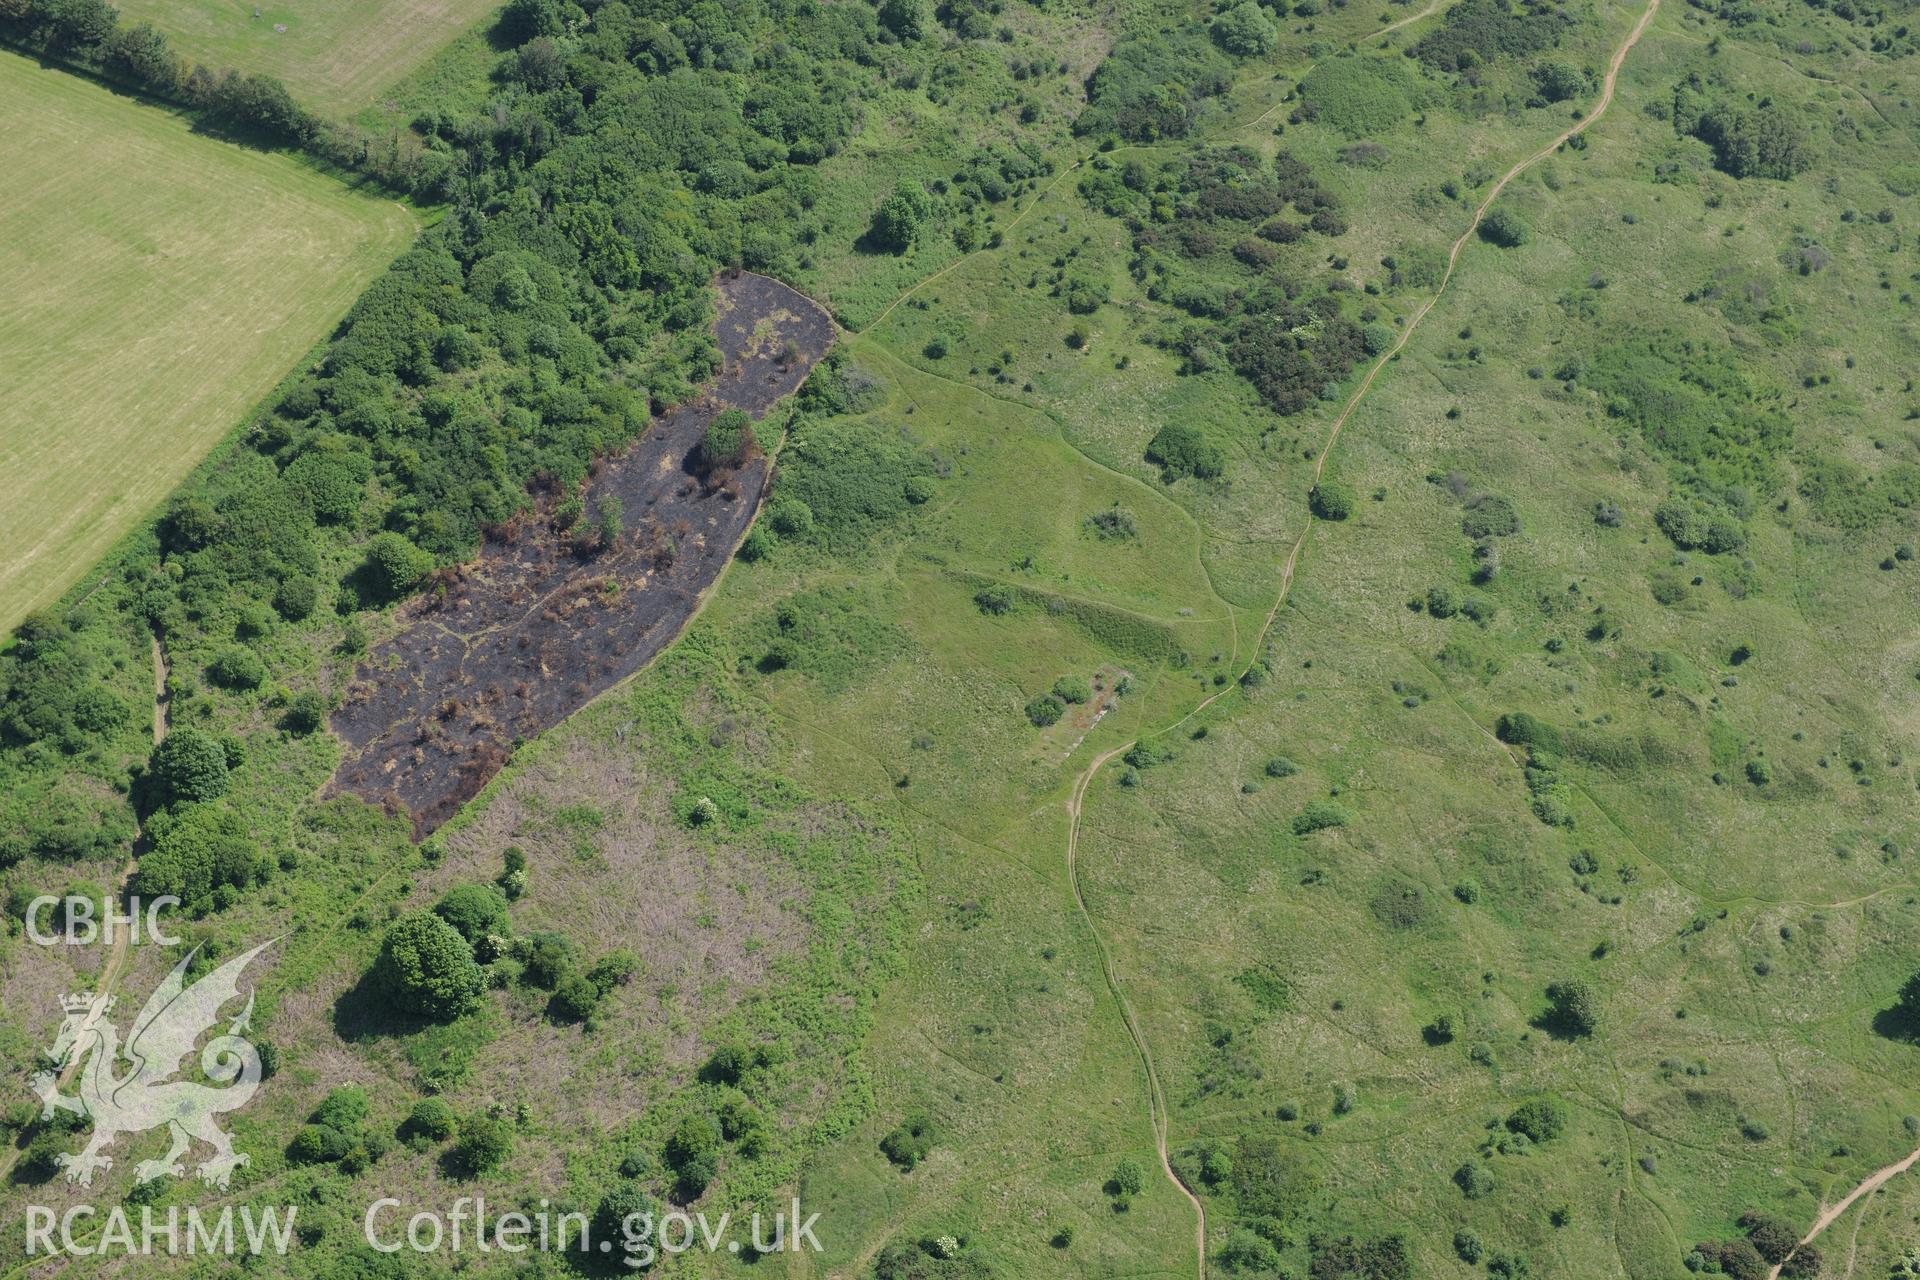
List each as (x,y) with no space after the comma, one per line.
(1605,674)
(1744,933)
(155,293)
(336,58)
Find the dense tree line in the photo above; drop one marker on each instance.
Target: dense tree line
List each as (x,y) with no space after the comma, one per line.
(90,34)
(627,153)
(69,729)
(561,302)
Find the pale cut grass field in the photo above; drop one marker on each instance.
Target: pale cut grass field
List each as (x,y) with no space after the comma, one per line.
(336,56)
(157,285)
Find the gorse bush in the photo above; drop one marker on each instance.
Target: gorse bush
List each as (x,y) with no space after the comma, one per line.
(475,911)
(728,440)
(431,1120)
(1574,1008)
(394,565)
(1074,689)
(1332,500)
(1540,1119)
(237,667)
(330,480)
(426,969)
(1045,709)
(1503,227)
(1765,141)
(1357,94)
(1180,450)
(1152,85)
(1559,81)
(1479,31)
(908,1142)
(485,1144)
(1474,1179)
(197,849)
(189,765)
(1245,30)
(306,712)
(295,598)
(901,217)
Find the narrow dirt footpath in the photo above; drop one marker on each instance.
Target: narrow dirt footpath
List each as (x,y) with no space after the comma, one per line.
(1156,1099)
(116,961)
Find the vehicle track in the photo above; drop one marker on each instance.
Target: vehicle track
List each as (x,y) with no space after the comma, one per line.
(1868,1185)
(1156,1099)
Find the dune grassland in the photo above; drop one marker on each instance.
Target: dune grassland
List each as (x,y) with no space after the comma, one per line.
(1323,686)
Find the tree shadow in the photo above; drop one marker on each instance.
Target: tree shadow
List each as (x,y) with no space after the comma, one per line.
(1558,1026)
(362,1014)
(505,34)
(870,243)
(454,1167)
(1897,1022)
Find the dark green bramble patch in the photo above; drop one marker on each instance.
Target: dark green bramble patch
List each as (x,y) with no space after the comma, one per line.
(1181,450)
(1116,524)
(1477,32)
(1231,211)
(1401,904)
(1271,991)
(1120,631)
(1763,140)
(830,634)
(1359,95)
(1321,815)
(1152,86)
(851,477)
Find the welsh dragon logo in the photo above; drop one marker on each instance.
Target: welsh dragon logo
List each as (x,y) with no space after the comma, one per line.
(130,1088)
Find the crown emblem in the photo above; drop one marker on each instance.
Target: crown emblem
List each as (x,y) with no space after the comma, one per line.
(82,1001)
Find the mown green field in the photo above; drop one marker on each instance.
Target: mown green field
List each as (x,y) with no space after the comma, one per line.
(336,57)
(157,285)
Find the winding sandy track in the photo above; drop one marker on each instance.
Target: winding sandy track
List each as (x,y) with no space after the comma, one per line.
(1868,1185)
(1156,1099)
